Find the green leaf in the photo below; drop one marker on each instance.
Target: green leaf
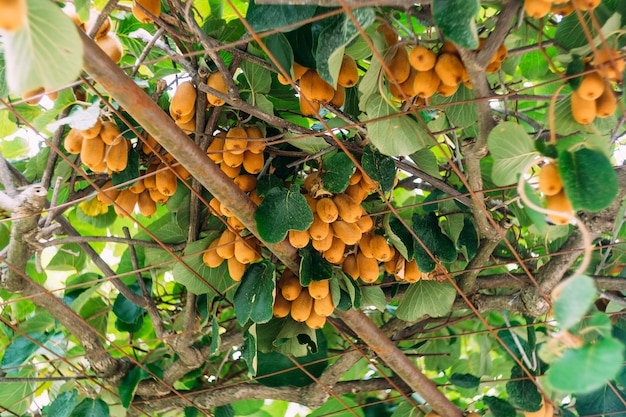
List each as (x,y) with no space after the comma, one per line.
(534,65)
(574,301)
(426,298)
(336,34)
(249,351)
(259,78)
(40,322)
(396,135)
(18,394)
(399,236)
(280,211)
(193,411)
(589,179)
(426,161)
(92,311)
(254,297)
(440,246)
(373,296)
(465,380)
(14,148)
(461,115)
(125,309)
(523,392)
(455,19)
(608,400)
(128,385)
(441,353)
(63,404)
(279,46)
(333,407)
(313,267)
(499,407)
(381,168)
(406,409)
(512,149)
(468,239)
(267,17)
(46,52)
(588,368)
(576,66)
(272,366)
(337,170)
(91,408)
(210,280)
(69,257)
(247,407)
(20,350)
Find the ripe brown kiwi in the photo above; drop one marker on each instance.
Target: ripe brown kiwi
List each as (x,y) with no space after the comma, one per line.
(226,246)
(107,191)
(550,180)
(313,87)
(13,15)
(104,28)
(301,307)
(406,89)
(399,67)
(339,98)
(152,6)
(380,248)
(426,83)
(73,141)
(334,254)
(298,238)
(309,107)
(246,182)
(236,269)
(92,151)
(591,87)
(255,146)
(319,289)
(559,202)
(449,68)
(183,102)
(327,210)
(609,62)
(412,272)
(125,203)
(217,82)
(33,96)
(319,229)
(146,205)
(214,151)
(368,268)
(324,306)
(236,141)
(315,321)
(391,37)
(211,257)
(584,111)
(323,245)
(289,285)
(348,73)
(350,267)
(117,156)
(422,58)
(349,233)
(165,180)
(606,104)
(110,133)
(157,197)
(537,8)
(234,160)
(93,131)
(253,162)
(111,46)
(245,250)
(281,307)
(349,210)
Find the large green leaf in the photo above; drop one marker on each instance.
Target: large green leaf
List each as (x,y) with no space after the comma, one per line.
(588,368)
(18,395)
(396,135)
(254,297)
(533,65)
(91,408)
(589,179)
(608,400)
(337,33)
(279,46)
(499,407)
(440,246)
(512,149)
(379,167)
(455,19)
(280,211)
(344,408)
(462,115)
(399,236)
(63,404)
(20,350)
(522,391)
(46,52)
(313,266)
(574,301)
(337,170)
(128,385)
(259,78)
(266,17)
(426,298)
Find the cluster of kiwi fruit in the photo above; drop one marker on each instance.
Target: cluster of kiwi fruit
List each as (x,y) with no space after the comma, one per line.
(551,185)
(314,90)
(540,8)
(104,38)
(183,104)
(239,149)
(595,96)
(310,304)
(421,72)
